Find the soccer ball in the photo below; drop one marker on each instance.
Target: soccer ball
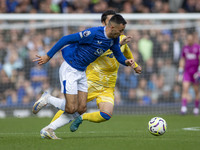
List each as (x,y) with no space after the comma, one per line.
(157,126)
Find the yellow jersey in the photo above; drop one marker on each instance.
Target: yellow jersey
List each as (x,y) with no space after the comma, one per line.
(103,70)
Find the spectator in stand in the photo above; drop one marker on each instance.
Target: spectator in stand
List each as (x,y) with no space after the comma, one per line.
(38,76)
(127,7)
(159,65)
(115,4)
(136,53)
(11,5)
(25,92)
(165,51)
(142,93)
(3,8)
(53,69)
(177,44)
(137,6)
(189,5)
(157,7)
(87,6)
(174,5)
(100,7)
(7,89)
(145,47)
(168,71)
(12,63)
(153,87)
(149,68)
(48,39)
(176,93)
(127,83)
(3,50)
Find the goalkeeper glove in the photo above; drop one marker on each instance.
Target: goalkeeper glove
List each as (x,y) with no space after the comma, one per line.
(197,75)
(180,74)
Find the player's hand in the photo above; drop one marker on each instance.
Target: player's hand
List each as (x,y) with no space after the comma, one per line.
(138,70)
(41,59)
(197,76)
(130,62)
(125,40)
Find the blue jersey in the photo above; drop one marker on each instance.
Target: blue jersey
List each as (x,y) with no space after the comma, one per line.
(84,47)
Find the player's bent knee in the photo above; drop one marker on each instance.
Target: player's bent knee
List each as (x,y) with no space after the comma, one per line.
(105,115)
(82,110)
(70,110)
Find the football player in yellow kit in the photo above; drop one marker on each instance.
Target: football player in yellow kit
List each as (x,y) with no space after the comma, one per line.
(101,78)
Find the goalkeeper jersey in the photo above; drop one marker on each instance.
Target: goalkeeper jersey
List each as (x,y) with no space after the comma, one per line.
(104,69)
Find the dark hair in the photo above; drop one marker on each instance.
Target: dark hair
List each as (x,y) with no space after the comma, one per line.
(118,19)
(106,13)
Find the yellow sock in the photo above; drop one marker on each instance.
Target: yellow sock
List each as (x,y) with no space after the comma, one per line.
(93,117)
(57,115)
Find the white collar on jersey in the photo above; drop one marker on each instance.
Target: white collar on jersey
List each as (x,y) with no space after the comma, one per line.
(105,33)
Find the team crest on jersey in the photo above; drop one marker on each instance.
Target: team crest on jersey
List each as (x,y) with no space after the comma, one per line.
(99,52)
(86,33)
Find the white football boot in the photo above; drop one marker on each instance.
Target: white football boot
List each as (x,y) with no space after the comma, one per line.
(41,102)
(183,110)
(48,133)
(196,111)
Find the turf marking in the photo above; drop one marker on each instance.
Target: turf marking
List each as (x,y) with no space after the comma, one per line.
(192,129)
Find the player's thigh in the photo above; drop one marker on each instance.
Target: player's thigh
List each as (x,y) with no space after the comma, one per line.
(94,90)
(187,80)
(69,78)
(82,97)
(107,107)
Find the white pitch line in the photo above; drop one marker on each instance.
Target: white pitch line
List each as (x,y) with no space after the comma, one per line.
(192,129)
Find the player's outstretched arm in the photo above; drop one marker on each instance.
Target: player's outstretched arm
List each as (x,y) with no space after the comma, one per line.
(41,59)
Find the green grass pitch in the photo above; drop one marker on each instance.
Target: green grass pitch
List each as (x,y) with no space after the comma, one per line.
(122,132)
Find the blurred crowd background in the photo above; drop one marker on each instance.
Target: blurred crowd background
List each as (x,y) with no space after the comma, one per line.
(98,6)
(157,51)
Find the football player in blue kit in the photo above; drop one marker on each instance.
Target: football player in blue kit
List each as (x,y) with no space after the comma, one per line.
(79,50)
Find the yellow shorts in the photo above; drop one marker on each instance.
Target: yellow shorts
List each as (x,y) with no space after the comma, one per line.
(100,93)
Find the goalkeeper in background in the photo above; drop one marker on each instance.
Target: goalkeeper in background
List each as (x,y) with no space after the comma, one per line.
(189,73)
(101,78)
